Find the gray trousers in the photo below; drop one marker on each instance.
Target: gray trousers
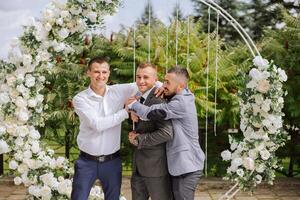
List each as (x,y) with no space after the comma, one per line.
(184,186)
(158,188)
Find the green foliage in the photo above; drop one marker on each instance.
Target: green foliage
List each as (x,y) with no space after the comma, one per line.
(237,9)
(283,46)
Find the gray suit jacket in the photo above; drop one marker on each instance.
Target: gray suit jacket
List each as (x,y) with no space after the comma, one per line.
(150,155)
(184,153)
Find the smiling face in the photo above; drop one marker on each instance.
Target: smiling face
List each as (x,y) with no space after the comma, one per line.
(99,74)
(146,78)
(173,85)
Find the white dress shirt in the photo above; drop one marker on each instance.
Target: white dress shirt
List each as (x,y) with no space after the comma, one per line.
(101,118)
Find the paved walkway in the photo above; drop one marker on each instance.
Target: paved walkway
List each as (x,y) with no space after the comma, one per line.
(208,189)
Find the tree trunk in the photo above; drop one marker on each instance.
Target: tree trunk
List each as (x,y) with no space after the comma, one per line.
(292,153)
(1,165)
(67,146)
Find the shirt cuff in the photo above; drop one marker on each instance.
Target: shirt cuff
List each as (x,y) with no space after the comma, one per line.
(124,114)
(131,104)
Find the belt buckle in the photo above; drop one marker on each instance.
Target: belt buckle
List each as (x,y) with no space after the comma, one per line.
(101,158)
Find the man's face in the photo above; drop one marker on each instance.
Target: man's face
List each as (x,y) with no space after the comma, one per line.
(145,78)
(171,85)
(99,74)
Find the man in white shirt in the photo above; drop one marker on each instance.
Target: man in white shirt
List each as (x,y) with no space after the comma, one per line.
(100,110)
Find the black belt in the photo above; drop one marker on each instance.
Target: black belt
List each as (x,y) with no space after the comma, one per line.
(102,158)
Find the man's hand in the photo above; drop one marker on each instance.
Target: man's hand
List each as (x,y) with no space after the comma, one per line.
(132,138)
(129,101)
(159,92)
(134,117)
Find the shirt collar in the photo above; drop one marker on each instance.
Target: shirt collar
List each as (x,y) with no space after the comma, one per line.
(91,92)
(146,94)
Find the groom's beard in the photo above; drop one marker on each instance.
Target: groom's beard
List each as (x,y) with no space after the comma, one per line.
(170,96)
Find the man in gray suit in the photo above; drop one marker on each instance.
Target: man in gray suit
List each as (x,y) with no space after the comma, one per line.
(150,173)
(184,154)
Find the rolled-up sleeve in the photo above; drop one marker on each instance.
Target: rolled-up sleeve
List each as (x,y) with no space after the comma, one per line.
(89,117)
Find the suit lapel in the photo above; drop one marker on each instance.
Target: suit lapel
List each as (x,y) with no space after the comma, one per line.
(150,96)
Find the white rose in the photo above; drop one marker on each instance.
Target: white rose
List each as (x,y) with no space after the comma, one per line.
(20,77)
(235,163)
(265,154)
(18,156)
(63,33)
(58,47)
(31,163)
(282,75)
(34,134)
(258,99)
(27,154)
(240,172)
(252,154)
(65,14)
(46,193)
(233,145)
(260,168)
(48,27)
(263,86)
(226,155)
(65,187)
(30,81)
(280,100)
(4,148)
(92,16)
(13,165)
(255,74)
(60,162)
(42,79)
(48,14)
(251,84)
(27,60)
(59,21)
(34,190)
(258,178)
(22,115)
(20,102)
(17,180)
(266,105)
(23,168)
(39,98)
(35,148)
(2,130)
(75,11)
(19,141)
(4,98)
(260,62)
(10,80)
(14,42)
(32,103)
(22,89)
(249,163)
(256,109)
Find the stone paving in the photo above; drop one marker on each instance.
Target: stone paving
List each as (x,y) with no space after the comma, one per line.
(208,189)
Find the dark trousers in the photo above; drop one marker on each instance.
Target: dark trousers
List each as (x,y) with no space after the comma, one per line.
(158,188)
(184,186)
(86,173)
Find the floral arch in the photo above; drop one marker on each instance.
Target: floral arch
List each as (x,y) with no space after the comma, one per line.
(56,35)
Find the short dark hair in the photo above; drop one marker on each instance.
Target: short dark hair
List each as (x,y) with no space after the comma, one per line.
(180,71)
(99,60)
(147,64)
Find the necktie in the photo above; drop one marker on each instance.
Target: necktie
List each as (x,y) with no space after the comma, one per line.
(142,99)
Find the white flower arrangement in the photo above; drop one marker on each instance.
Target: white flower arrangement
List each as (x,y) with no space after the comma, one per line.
(21,104)
(252,159)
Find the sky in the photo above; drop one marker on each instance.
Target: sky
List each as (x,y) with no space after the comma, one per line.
(14,13)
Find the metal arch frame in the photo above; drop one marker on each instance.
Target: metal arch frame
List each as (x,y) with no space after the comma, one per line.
(245,36)
(252,48)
